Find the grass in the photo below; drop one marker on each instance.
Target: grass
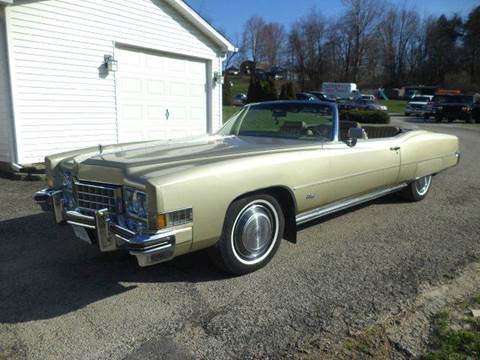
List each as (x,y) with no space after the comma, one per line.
(228,111)
(394,106)
(459,342)
(240,84)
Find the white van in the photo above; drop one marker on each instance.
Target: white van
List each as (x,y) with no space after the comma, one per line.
(340,90)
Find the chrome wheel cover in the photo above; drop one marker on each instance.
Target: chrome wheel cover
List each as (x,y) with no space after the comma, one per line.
(423,184)
(254,232)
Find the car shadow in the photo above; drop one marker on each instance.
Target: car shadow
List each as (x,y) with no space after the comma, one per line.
(46,272)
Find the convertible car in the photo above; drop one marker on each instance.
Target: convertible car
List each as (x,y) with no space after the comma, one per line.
(239,192)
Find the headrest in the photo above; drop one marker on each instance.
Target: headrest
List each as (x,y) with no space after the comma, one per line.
(293,125)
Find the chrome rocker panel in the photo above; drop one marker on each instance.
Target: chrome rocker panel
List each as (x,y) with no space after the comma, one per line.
(149,248)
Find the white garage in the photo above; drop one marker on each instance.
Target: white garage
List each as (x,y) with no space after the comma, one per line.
(76,74)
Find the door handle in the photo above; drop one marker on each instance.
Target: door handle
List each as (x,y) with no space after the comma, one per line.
(395,148)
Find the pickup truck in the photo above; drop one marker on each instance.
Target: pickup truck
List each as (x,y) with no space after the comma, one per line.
(455,107)
(418,105)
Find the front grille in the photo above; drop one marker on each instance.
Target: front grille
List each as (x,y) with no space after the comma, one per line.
(417,106)
(93,197)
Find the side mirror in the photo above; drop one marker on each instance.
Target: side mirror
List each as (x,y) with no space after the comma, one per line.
(354,134)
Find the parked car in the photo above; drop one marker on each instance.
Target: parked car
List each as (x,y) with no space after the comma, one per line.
(367,97)
(455,107)
(306,97)
(273,166)
(239,100)
(320,96)
(233,70)
(343,104)
(418,105)
(369,105)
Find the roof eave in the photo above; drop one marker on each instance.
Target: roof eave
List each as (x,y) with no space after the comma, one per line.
(206,28)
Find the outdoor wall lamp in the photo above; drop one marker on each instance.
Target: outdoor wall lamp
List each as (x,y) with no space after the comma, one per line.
(218,78)
(111,64)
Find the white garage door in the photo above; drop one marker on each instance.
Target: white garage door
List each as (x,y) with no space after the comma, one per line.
(159,96)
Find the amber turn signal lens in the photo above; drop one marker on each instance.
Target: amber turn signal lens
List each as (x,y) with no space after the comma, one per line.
(49,182)
(162,221)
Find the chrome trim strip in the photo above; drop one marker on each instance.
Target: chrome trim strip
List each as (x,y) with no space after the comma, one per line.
(344,204)
(153,250)
(339,178)
(70,222)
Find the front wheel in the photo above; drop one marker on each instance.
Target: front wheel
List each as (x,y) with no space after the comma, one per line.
(418,189)
(252,233)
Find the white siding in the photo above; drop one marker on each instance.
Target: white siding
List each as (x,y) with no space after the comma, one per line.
(6,141)
(62,101)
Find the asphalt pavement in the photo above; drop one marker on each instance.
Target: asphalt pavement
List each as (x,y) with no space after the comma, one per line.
(62,299)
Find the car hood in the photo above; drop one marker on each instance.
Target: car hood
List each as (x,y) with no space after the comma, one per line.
(417,103)
(150,158)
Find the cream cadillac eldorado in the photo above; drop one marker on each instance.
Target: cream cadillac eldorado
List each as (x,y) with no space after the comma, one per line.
(272,166)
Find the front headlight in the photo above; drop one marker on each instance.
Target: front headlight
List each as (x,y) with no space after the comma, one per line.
(67,180)
(136,203)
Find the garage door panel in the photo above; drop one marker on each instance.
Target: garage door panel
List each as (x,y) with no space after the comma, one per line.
(156,87)
(160,96)
(177,89)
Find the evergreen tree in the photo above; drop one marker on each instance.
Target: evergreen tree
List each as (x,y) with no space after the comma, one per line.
(227,93)
(270,90)
(255,90)
(287,91)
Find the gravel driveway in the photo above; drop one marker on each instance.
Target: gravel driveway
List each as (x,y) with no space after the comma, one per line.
(61,299)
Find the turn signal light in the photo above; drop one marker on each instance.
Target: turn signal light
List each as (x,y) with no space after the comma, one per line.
(175,218)
(162,221)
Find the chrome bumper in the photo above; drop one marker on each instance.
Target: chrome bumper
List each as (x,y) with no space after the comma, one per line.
(148,248)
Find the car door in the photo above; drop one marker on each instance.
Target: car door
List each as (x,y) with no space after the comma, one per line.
(365,167)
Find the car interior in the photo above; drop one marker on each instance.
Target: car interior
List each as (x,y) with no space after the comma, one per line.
(372,131)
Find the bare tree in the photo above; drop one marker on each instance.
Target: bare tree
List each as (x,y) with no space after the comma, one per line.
(274,38)
(306,46)
(253,39)
(361,18)
(397,31)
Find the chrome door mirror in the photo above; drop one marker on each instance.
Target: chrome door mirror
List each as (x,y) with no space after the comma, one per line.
(354,134)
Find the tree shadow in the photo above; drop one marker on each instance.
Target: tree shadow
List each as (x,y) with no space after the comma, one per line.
(46,272)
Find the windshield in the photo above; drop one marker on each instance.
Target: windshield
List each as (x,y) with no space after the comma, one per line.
(421,98)
(292,120)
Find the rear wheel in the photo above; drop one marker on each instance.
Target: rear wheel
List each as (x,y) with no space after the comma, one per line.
(418,189)
(252,233)
(469,119)
(438,118)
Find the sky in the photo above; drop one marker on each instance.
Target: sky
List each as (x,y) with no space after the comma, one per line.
(229,15)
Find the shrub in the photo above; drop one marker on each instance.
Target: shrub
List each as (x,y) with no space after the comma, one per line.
(366,116)
(287,91)
(270,91)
